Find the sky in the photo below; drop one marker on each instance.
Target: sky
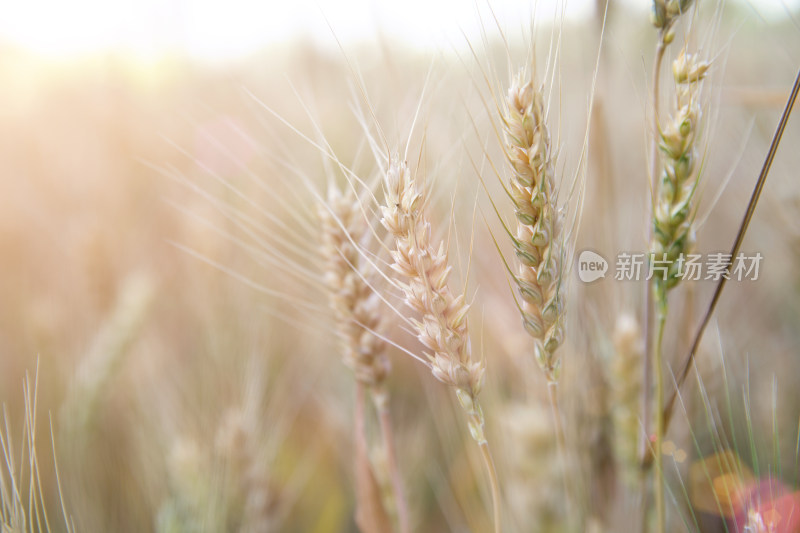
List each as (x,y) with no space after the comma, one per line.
(224,29)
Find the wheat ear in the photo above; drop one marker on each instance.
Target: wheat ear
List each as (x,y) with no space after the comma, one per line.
(442,328)
(673,217)
(539,239)
(354,302)
(664,15)
(626,385)
(673,232)
(351,283)
(531,445)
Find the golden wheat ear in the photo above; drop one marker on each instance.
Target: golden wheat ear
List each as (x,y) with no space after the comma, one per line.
(422,271)
(539,239)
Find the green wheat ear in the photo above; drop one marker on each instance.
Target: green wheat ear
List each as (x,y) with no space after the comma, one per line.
(673,228)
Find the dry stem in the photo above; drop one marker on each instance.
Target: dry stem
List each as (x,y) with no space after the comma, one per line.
(387,434)
(488,461)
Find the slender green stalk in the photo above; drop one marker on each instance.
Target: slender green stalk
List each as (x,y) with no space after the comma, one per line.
(647,367)
(673,232)
(663,16)
(659,374)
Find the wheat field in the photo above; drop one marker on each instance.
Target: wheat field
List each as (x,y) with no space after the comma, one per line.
(342,287)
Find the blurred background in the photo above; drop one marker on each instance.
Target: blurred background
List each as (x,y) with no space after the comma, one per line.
(161,287)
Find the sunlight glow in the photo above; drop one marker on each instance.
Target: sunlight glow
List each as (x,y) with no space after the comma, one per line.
(212,29)
(216,30)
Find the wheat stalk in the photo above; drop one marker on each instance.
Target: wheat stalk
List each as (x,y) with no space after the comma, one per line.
(673,230)
(664,14)
(539,238)
(442,328)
